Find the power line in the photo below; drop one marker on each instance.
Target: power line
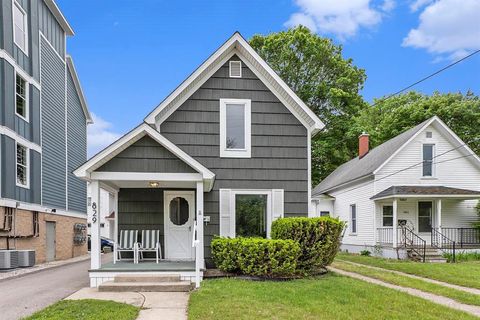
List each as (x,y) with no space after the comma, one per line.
(427,77)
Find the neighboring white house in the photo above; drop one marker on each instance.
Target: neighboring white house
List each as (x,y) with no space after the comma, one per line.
(418,189)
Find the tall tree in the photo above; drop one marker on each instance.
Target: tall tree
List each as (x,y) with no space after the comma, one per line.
(326,81)
(389,117)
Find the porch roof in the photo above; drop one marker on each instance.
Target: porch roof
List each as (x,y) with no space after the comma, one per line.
(426,191)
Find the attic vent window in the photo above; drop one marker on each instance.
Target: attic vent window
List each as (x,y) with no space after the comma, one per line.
(235,69)
(429,134)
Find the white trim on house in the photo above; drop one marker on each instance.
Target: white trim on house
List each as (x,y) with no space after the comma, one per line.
(230,67)
(6,56)
(245,152)
(87,169)
(145,176)
(59,17)
(10,203)
(26,98)
(25,26)
(426,196)
(236,45)
(26,166)
(15,136)
(78,88)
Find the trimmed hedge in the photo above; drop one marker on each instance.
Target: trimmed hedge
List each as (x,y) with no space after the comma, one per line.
(319,239)
(256,257)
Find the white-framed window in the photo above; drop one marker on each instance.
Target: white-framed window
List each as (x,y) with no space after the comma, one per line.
(387,219)
(21,97)
(20,27)
(249,213)
(235,128)
(22,165)
(353,218)
(428,154)
(235,69)
(324,213)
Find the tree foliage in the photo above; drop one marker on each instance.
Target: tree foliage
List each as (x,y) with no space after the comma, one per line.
(327,82)
(388,118)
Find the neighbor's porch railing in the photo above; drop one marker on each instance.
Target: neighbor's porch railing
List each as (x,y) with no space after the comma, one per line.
(463,237)
(385,235)
(405,238)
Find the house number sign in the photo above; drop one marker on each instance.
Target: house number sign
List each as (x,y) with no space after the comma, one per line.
(94,209)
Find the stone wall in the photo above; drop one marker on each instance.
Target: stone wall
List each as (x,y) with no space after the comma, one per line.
(23,228)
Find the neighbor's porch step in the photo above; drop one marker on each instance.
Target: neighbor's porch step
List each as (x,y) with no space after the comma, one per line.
(146,278)
(176,286)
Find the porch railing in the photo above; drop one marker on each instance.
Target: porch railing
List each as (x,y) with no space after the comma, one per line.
(385,235)
(443,243)
(195,244)
(463,237)
(413,242)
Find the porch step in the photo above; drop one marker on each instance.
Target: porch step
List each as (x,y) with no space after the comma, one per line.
(175,286)
(146,278)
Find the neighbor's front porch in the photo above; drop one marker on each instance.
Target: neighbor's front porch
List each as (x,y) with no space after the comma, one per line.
(438,217)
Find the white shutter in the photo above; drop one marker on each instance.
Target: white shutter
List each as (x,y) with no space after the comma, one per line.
(277,204)
(225,213)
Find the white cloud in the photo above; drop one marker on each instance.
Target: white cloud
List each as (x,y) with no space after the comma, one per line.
(99,135)
(342,18)
(418,4)
(447,28)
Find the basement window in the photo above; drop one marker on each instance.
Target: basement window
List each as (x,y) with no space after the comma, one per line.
(235,128)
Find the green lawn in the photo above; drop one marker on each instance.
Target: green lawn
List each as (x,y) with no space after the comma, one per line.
(327,297)
(87,310)
(405,281)
(464,274)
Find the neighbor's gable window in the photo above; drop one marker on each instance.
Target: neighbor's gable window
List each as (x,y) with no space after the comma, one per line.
(353,218)
(21,97)
(22,166)
(428,150)
(387,216)
(20,33)
(235,128)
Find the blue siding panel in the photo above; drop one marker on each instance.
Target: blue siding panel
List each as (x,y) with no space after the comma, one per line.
(53,128)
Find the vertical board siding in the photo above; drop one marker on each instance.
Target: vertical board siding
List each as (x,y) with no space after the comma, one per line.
(76,148)
(279,143)
(53,128)
(146,155)
(50,28)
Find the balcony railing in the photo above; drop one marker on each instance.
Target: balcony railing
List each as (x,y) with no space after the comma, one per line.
(463,237)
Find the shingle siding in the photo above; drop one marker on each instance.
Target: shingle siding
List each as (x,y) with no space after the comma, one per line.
(279,143)
(53,128)
(76,148)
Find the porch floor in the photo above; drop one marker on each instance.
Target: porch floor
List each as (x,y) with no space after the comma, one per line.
(129,266)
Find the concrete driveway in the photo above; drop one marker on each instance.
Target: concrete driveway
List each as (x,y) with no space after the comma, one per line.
(23,296)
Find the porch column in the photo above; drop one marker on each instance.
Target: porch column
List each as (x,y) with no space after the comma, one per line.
(395,224)
(94,218)
(115,221)
(199,252)
(439,215)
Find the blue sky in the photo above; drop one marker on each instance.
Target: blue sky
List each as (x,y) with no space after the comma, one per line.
(131,54)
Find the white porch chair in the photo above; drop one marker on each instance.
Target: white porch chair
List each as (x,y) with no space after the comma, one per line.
(127,243)
(150,243)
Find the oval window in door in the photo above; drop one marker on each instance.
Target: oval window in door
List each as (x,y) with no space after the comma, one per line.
(179,212)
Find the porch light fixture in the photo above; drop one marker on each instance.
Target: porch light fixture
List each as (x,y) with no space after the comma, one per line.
(154,184)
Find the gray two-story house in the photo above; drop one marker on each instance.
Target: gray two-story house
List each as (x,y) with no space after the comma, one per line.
(226,153)
(43,123)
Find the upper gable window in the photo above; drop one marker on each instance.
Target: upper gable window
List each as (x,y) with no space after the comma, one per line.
(428,155)
(21,97)
(20,33)
(235,128)
(235,69)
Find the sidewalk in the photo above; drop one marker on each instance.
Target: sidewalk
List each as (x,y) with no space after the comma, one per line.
(154,305)
(39,267)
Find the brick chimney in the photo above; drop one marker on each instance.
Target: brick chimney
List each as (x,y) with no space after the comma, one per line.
(363,145)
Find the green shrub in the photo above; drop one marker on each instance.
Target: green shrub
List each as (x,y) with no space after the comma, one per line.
(319,239)
(256,256)
(365,253)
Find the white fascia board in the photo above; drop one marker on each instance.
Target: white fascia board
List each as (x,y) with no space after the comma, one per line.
(85,171)
(18,138)
(404,145)
(78,88)
(145,176)
(427,196)
(59,17)
(234,43)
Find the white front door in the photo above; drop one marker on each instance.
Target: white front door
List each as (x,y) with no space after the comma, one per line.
(179,212)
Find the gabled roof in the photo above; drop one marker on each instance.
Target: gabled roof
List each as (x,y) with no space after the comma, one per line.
(375,159)
(412,191)
(78,88)
(239,46)
(59,17)
(130,138)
